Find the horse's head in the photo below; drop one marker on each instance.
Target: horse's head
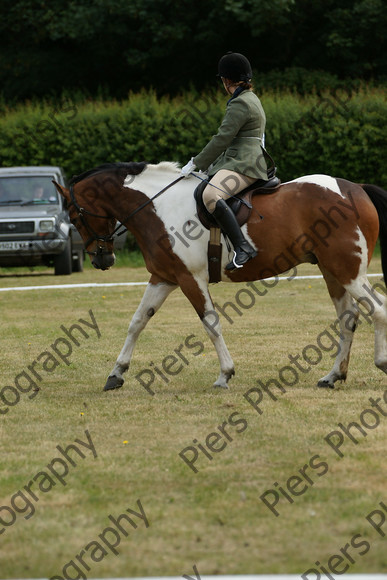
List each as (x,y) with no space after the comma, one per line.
(93,223)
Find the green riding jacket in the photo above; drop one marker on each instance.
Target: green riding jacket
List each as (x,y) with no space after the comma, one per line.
(237,145)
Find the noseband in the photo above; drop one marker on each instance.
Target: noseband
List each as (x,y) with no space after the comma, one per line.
(94,237)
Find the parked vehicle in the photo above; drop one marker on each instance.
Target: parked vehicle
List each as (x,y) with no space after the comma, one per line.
(34,224)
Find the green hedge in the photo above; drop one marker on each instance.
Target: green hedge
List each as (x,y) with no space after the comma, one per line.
(337,133)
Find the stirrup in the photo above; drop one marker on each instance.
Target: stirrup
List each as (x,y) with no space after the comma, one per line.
(233,265)
(248,256)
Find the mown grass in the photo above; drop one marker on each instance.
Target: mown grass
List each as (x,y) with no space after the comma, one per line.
(214,518)
(129,259)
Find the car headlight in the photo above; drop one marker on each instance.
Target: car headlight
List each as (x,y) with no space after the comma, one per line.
(46,226)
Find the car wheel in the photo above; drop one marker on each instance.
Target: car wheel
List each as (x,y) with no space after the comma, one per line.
(63,261)
(78,261)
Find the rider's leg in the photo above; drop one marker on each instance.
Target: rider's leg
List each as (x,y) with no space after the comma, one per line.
(223,185)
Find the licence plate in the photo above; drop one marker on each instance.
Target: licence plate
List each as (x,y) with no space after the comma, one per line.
(13,246)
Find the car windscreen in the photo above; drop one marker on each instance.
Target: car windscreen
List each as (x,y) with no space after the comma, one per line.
(27,190)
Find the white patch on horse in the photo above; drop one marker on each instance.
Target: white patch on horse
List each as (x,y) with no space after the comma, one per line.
(362,253)
(325,181)
(153,178)
(372,305)
(176,208)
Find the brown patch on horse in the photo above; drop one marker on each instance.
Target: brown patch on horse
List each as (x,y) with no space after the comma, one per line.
(335,289)
(312,230)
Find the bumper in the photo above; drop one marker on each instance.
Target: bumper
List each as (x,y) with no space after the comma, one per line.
(33,248)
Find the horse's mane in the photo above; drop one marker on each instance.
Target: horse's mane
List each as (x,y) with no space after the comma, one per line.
(131,168)
(172,166)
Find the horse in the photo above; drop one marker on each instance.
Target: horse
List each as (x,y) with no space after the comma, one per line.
(316,219)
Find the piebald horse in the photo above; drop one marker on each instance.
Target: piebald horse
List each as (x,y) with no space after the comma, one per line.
(318,219)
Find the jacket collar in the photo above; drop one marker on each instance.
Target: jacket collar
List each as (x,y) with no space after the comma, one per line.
(236,94)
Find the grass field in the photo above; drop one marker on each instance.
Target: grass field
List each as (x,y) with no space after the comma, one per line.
(213,518)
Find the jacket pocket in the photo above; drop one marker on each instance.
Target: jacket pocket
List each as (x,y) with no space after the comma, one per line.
(231,152)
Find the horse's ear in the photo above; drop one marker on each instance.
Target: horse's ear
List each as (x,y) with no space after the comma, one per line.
(62,191)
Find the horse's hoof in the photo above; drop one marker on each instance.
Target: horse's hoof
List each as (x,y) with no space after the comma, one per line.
(224,377)
(113,383)
(382,365)
(325,384)
(220,385)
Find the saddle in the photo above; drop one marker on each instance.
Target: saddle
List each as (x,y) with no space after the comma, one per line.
(241,206)
(240,203)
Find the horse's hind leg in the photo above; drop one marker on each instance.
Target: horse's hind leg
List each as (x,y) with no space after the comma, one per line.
(347,316)
(155,294)
(373,307)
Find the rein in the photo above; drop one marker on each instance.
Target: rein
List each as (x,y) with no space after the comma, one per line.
(82,212)
(145,204)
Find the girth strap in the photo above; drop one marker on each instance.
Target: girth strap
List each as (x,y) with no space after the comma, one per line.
(214,255)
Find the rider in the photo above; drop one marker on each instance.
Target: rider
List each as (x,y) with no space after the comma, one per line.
(234,157)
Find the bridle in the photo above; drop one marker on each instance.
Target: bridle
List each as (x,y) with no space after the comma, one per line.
(94,237)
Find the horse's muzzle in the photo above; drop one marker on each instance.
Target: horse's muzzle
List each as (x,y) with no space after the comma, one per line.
(103,261)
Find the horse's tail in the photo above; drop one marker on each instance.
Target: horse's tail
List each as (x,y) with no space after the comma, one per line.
(378,197)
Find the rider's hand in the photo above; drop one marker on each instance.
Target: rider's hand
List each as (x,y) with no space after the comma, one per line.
(188,169)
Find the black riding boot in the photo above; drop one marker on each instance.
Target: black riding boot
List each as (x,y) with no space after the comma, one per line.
(243,251)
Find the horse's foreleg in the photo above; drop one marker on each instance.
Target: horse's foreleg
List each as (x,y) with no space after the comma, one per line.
(154,296)
(196,290)
(211,324)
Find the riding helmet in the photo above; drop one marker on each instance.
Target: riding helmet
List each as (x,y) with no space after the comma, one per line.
(235,66)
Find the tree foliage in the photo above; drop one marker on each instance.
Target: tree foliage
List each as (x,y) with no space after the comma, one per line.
(122,45)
